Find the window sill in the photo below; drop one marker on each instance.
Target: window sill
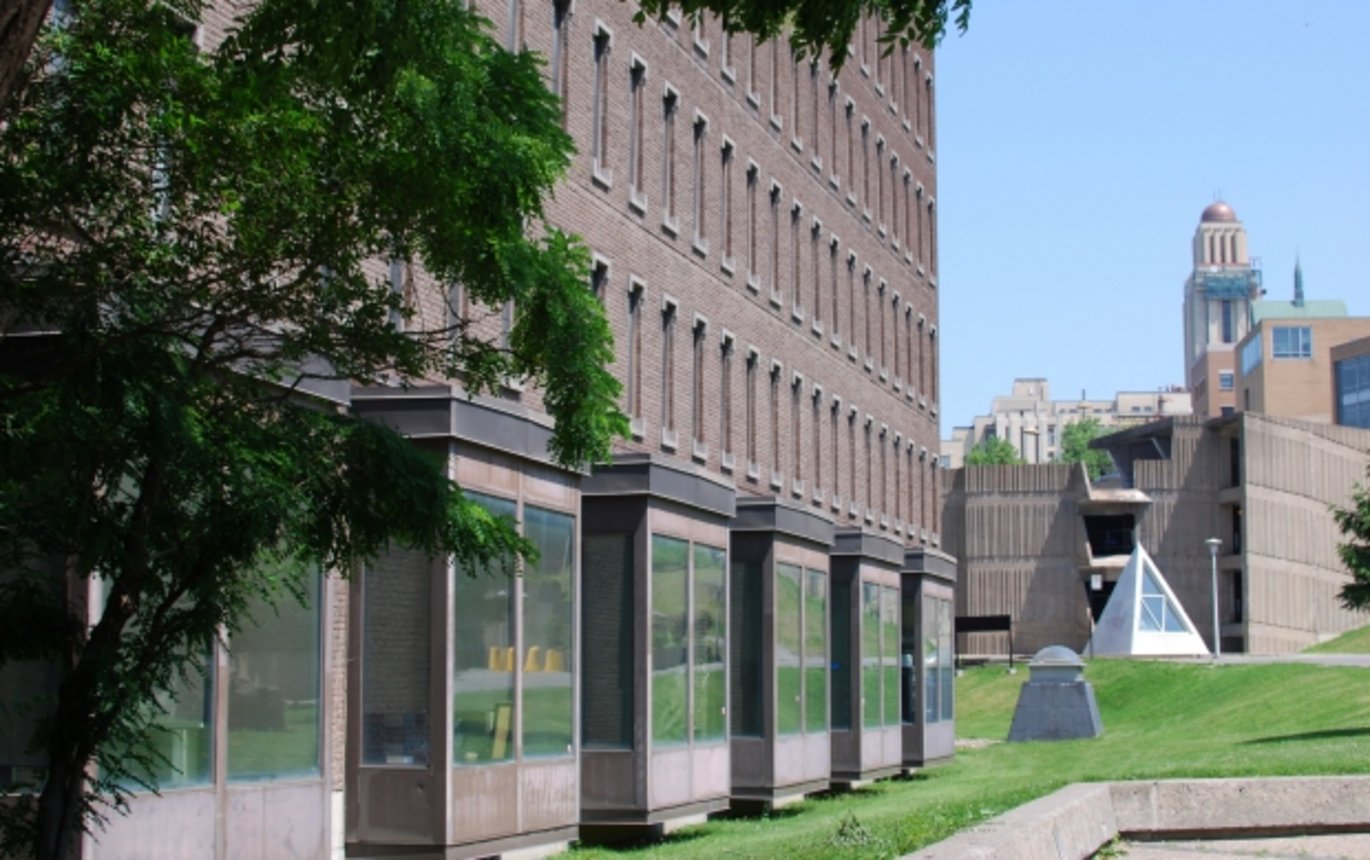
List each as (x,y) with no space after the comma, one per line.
(638,427)
(777,481)
(669,224)
(602,176)
(776,299)
(700,247)
(725,264)
(725,462)
(817,328)
(699,451)
(797,488)
(637,201)
(669,440)
(797,314)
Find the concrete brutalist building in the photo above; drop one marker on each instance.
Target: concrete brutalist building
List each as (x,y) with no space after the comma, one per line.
(1044,545)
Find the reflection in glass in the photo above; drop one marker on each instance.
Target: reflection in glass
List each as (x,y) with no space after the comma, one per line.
(710,631)
(946,641)
(889,653)
(396,640)
(815,651)
(908,657)
(841,658)
(182,737)
(483,656)
(670,639)
(274,689)
(788,649)
(870,655)
(548,587)
(932,617)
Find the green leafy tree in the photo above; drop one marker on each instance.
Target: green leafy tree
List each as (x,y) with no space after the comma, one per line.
(818,26)
(993,451)
(1075,439)
(1354,522)
(182,230)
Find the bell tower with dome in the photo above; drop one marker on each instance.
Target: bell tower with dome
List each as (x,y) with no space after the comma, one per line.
(1217,308)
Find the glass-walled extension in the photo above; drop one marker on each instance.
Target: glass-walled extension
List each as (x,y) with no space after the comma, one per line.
(656,632)
(867,681)
(928,660)
(463,685)
(781,746)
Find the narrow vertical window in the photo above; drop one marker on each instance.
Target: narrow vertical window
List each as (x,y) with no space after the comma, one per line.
(699,189)
(752,359)
(815,236)
(816,419)
(832,130)
(894,335)
(932,116)
(753,179)
(833,436)
(851,150)
(866,312)
(870,472)
(668,315)
(725,215)
(923,495)
(908,213)
(697,389)
(866,167)
(599,119)
(919,207)
(635,295)
(851,457)
(795,134)
(725,54)
(833,250)
(669,104)
(796,251)
(932,348)
(898,461)
(932,239)
(922,362)
(457,311)
(908,87)
(914,487)
(813,112)
(884,479)
(775,82)
(880,184)
(513,24)
(796,440)
(909,378)
(880,303)
(725,395)
(506,324)
(774,273)
(777,458)
(894,200)
(558,63)
(918,99)
(851,301)
(637,85)
(751,70)
(599,278)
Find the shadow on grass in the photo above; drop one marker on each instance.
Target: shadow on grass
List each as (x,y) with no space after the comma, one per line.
(1324,735)
(647,843)
(789,811)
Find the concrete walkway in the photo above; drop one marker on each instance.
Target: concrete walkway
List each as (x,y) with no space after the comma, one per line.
(1341,846)
(1165,815)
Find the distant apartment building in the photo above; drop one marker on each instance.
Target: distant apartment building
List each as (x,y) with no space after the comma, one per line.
(1218,295)
(1030,421)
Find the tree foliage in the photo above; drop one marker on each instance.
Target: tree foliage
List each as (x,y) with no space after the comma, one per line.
(818,26)
(993,451)
(1354,522)
(183,232)
(1075,439)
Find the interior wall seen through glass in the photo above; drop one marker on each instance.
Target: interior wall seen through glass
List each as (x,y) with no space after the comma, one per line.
(889,654)
(908,656)
(842,669)
(396,664)
(870,655)
(946,637)
(484,656)
(607,609)
(274,682)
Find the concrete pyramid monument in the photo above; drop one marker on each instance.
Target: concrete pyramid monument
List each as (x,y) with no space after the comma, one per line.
(1143,617)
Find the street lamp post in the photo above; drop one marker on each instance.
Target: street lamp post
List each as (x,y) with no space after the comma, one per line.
(1213,544)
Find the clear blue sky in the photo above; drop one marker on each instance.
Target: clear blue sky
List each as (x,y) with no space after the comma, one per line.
(1079,141)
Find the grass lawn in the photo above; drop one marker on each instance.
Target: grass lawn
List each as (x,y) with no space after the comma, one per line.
(1351,642)
(1160,720)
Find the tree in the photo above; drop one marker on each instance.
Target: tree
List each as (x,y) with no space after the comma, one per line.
(20,21)
(1075,439)
(1354,522)
(816,26)
(182,231)
(993,451)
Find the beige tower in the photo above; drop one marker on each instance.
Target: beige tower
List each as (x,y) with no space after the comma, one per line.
(1217,309)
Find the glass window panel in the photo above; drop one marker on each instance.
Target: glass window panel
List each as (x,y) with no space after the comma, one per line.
(670,639)
(1150,617)
(274,666)
(396,641)
(710,629)
(747,686)
(483,656)
(870,655)
(815,651)
(932,622)
(908,657)
(946,636)
(607,596)
(889,653)
(841,658)
(788,649)
(28,693)
(182,738)
(548,630)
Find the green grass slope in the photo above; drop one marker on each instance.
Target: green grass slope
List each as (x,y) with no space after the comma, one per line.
(1161,720)
(1351,642)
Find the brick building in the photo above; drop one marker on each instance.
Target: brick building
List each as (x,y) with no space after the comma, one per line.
(764,239)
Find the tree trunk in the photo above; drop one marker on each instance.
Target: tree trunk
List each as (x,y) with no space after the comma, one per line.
(20,21)
(59,808)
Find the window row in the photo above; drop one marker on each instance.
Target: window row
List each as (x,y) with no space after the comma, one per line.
(790,432)
(879,184)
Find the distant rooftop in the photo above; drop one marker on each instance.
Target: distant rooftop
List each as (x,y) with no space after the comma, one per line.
(1218,211)
(1275,309)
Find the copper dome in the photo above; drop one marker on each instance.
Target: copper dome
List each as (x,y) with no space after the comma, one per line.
(1218,211)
